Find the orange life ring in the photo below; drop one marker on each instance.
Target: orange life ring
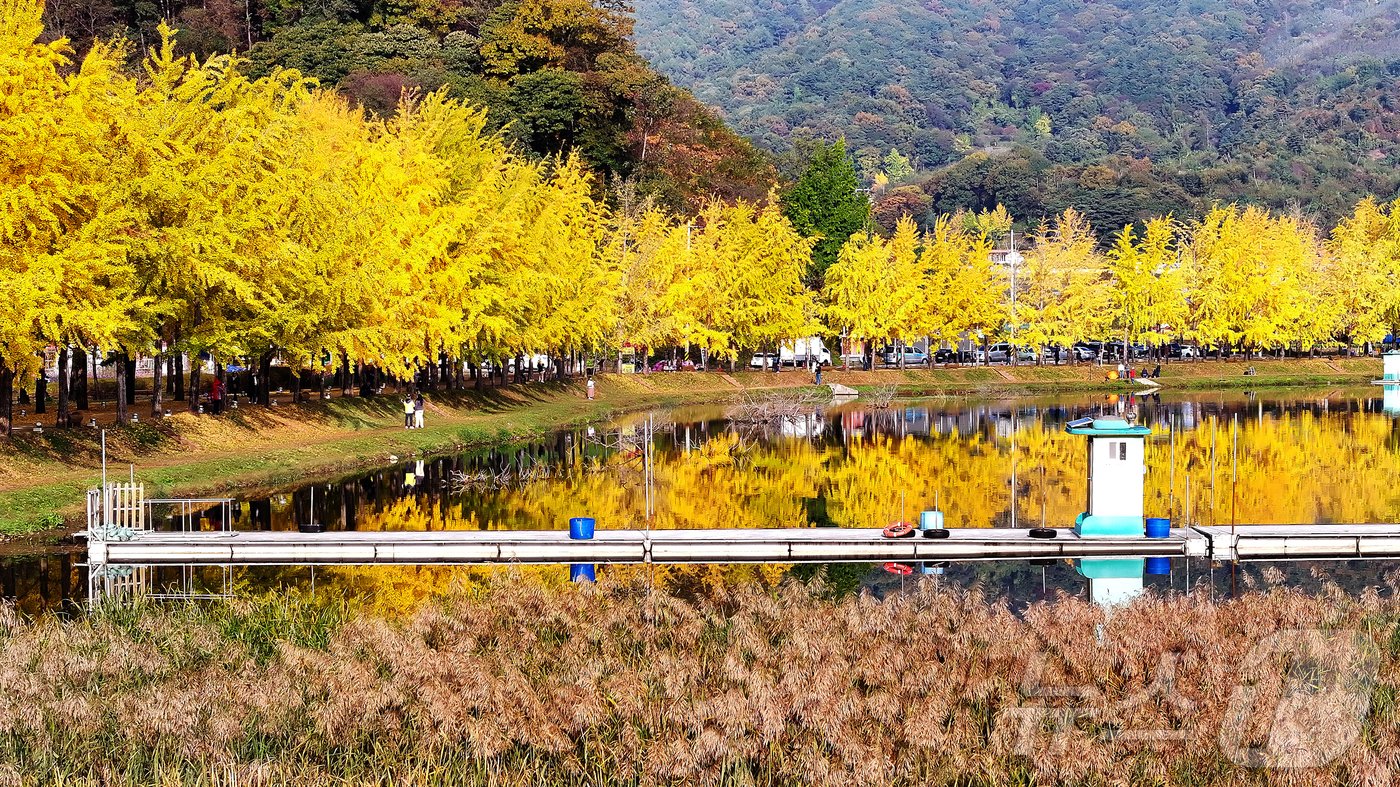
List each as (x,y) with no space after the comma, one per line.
(899,568)
(899,530)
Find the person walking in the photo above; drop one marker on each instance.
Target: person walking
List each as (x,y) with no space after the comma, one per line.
(418,411)
(408,412)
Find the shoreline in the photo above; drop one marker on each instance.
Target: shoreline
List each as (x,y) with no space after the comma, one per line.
(43,477)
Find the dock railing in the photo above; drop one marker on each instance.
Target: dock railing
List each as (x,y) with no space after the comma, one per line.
(191,513)
(120,510)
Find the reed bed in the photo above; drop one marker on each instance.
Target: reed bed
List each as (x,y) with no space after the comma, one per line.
(520,684)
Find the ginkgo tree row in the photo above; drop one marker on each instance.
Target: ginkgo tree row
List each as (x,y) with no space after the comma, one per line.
(1239,277)
(193,212)
(189,211)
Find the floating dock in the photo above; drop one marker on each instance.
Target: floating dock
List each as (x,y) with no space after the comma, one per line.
(776,545)
(1268,542)
(780,545)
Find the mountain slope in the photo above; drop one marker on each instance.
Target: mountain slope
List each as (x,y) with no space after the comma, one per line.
(1273,100)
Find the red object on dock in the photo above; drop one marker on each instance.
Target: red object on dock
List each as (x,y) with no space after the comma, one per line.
(899,530)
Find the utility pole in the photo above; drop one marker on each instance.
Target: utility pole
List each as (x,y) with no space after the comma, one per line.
(1013,258)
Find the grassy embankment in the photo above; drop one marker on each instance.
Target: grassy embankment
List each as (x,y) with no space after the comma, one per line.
(519,684)
(42,477)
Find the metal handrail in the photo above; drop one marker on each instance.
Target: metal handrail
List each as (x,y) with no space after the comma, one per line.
(187,511)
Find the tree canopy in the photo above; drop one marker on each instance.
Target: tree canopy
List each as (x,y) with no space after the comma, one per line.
(826,202)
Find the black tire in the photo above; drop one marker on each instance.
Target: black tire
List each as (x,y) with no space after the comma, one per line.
(936,532)
(1044,532)
(310,528)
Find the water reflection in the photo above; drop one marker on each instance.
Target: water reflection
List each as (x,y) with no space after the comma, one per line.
(1325,457)
(1285,457)
(401,589)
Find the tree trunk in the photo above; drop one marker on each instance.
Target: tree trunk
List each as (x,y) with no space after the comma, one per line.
(157,390)
(120,365)
(130,379)
(41,393)
(79,382)
(62,385)
(7,392)
(196,368)
(265,378)
(344,374)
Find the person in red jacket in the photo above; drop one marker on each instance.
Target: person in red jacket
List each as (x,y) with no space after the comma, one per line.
(216,395)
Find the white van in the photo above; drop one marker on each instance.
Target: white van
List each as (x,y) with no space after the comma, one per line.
(805,351)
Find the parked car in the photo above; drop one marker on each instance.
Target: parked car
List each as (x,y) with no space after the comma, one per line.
(1183,351)
(996,353)
(762,361)
(911,357)
(853,359)
(1069,354)
(1083,352)
(1114,350)
(1088,351)
(668,365)
(804,352)
(950,356)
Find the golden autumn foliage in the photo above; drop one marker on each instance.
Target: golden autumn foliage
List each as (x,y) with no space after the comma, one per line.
(251,218)
(194,209)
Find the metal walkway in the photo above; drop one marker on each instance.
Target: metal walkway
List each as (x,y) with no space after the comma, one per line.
(781,545)
(786,545)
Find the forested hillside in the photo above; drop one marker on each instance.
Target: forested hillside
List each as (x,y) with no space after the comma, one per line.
(561,75)
(1122,108)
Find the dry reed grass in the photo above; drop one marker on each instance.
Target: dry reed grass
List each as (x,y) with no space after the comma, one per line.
(615,684)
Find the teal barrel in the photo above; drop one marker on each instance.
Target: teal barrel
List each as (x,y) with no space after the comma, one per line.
(930,520)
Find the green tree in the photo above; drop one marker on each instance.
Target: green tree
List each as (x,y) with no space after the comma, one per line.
(825,203)
(897,166)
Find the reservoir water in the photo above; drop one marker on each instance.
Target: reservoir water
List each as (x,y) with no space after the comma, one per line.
(1271,457)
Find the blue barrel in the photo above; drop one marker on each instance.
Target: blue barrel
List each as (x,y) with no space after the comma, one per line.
(581,572)
(1158,527)
(581,528)
(931,520)
(1159,566)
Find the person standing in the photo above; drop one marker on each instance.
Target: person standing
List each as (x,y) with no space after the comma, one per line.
(408,412)
(216,395)
(590,389)
(418,411)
